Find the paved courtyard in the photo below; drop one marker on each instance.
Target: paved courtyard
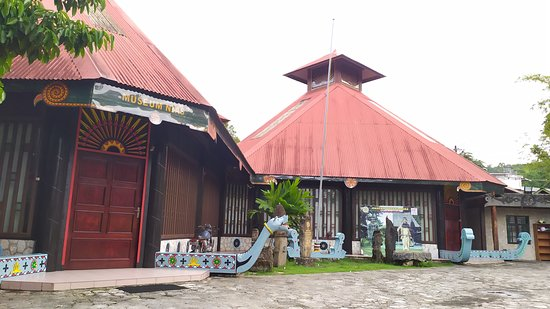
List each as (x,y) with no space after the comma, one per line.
(494,285)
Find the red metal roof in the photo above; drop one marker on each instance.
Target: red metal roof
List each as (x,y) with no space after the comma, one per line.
(134,61)
(364,140)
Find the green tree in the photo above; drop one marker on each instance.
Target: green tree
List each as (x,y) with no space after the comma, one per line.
(288,194)
(535,174)
(297,207)
(500,168)
(232,131)
(538,171)
(28,29)
(468,155)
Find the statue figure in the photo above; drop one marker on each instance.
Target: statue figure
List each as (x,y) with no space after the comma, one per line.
(404,232)
(377,247)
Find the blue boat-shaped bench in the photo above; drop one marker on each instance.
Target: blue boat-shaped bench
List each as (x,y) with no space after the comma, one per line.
(466,252)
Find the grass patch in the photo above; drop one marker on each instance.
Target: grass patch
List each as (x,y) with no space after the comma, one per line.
(435,264)
(334,266)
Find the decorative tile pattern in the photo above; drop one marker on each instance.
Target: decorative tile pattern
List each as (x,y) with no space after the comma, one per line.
(11,266)
(215,262)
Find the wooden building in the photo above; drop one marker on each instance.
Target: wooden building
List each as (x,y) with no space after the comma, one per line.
(376,164)
(104,156)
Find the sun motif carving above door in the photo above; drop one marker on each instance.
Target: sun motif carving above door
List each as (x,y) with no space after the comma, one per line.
(110,132)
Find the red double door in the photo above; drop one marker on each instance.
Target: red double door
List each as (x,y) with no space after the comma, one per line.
(106,205)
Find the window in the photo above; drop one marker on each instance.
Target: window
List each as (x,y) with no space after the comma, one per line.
(516,225)
(17,179)
(319,77)
(351,80)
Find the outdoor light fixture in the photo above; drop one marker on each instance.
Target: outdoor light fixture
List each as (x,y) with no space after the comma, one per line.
(350,182)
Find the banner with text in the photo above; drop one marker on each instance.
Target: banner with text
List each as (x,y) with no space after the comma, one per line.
(114,99)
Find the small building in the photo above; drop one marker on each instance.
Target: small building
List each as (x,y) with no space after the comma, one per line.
(104,156)
(511,213)
(376,165)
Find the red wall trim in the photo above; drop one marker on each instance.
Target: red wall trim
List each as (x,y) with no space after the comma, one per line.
(143,194)
(71,189)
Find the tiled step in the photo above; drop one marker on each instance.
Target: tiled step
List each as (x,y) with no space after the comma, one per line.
(96,278)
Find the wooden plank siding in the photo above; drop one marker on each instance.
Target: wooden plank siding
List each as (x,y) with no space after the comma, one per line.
(183,177)
(211,201)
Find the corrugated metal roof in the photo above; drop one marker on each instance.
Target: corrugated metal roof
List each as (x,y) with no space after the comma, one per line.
(133,62)
(364,140)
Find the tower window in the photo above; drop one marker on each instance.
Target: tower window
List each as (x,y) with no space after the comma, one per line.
(319,77)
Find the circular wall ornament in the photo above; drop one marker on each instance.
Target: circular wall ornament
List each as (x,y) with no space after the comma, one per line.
(55,93)
(350,182)
(528,200)
(236,243)
(270,179)
(155,118)
(465,186)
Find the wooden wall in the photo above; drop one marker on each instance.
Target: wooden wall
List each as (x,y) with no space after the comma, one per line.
(183,179)
(53,196)
(186,185)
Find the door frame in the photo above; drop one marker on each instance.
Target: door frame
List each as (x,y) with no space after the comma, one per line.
(452,207)
(77,149)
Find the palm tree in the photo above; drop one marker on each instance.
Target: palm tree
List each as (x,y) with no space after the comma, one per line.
(296,204)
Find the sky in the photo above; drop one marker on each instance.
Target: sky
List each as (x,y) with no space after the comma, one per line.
(452,67)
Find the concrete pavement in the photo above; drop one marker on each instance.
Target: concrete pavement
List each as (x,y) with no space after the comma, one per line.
(487,285)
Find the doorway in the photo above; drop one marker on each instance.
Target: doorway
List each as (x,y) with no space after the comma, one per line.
(106,205)
(452,227)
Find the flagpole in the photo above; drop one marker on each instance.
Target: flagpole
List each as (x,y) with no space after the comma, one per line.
(320,202)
